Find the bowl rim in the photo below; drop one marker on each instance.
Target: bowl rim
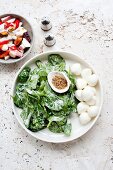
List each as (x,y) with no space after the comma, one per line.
(32,41)
(47,53)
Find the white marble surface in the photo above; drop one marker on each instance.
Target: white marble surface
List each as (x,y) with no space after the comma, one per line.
(92,39)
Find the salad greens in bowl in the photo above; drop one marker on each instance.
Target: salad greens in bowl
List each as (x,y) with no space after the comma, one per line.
(44,108)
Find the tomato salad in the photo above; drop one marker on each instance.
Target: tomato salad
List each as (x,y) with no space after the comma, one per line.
(14,38)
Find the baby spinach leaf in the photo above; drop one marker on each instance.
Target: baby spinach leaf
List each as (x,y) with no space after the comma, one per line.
(24,75)
(20,96)
(56,124)
(37,123)
(33,79)
(67,129)
(55,59)
(53,103)
(26,116)
(39,63)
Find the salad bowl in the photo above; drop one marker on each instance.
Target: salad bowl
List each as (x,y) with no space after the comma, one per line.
(25,25)
(77,129)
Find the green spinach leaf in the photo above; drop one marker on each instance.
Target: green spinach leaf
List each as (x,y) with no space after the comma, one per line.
(24,75)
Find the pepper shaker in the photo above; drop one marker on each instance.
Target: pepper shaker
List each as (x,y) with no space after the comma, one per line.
(46,24)
(49,40)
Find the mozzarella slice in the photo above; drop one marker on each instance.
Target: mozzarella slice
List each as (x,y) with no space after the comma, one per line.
(93,111)
(4,19)
(84,118)
(76,69)
(20,24)
(92,80)
(19,31)
(25,43)
(7,57)
(87,94)
(12,53)
(22,47)
(80,83)
(2,28)
(82,107)
(15,53)
(11,20)
(10,44)
(78,95)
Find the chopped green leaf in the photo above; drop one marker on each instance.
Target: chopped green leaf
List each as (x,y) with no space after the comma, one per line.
(24,75)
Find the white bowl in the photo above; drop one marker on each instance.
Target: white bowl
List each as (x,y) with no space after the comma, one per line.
(26,25)
(77,129)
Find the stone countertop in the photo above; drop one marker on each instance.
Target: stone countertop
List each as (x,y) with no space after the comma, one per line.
(82,27)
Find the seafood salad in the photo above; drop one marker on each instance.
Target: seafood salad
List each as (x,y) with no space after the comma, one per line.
(14,38)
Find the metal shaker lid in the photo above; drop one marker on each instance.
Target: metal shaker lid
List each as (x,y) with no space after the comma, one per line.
(46,24)
(49,40)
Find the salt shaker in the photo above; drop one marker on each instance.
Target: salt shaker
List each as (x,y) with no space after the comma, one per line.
(49,40)
(46,24)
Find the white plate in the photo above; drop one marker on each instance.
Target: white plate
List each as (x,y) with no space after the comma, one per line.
(77,129)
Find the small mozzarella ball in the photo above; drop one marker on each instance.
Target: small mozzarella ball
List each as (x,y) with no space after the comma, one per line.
(92,80)
(82,107)
(80,83)
(93,89)
(76,69)
(86,73)
(87,94)
(93,111)
(84,118)
(92,101)
(5,47)
(78,95)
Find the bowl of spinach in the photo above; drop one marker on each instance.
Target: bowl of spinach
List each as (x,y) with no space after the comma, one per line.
(45,114)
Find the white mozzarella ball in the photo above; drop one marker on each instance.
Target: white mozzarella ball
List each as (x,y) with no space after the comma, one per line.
(84,118)
(93,111)
(87,94)
(93,89)
(82,107)
(80,83)
(92,80)
(76,69)
(92,101)
(78,95)
(86,73)
(5,47)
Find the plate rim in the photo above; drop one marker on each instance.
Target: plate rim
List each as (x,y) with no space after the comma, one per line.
(13,88)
